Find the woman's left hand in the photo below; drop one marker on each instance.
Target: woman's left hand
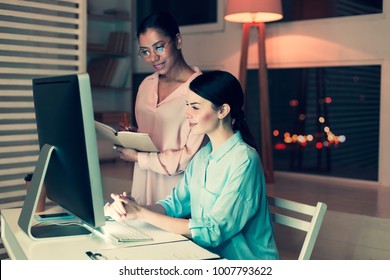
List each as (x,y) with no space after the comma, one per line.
(127,153)
(124,207)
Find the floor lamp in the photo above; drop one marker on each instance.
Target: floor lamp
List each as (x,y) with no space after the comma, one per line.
(254,13)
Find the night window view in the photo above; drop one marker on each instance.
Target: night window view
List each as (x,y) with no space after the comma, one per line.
(324,121)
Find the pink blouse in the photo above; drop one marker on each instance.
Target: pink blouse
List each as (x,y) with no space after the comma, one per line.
(155,174)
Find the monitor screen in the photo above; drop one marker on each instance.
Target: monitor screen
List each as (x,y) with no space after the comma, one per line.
(68,163)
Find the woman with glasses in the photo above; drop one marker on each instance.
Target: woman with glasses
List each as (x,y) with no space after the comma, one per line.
(159,108)
(223,190)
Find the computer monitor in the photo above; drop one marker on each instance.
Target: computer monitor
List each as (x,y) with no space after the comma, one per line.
(68,163)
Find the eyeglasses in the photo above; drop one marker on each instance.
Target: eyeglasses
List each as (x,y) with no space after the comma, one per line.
(158,49)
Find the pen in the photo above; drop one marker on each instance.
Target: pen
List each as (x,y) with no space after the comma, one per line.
(96,256)
(91,255)
(126,121)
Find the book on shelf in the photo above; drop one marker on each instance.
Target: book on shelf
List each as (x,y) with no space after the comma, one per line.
(125,43)
(134,140)
(97,70)
(109,71)
(120,73)
(118,42)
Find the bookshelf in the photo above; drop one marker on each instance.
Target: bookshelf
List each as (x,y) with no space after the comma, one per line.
(109,54)
(110,42)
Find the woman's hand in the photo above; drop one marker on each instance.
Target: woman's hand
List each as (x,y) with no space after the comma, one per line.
(122,127)
(124,207)
(127,153)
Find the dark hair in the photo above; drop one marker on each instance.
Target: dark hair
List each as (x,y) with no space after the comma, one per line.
(162,21)
(220,87)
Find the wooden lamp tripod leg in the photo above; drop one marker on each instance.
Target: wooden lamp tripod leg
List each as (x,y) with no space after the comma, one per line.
(266,141)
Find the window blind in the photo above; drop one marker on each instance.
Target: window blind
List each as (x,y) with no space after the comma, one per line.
(37,38)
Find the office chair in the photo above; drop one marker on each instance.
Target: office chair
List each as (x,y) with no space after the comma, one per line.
(289,217)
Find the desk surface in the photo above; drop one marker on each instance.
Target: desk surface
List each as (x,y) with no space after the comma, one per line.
(164,245)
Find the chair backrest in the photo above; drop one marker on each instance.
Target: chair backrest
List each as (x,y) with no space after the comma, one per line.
(300,216)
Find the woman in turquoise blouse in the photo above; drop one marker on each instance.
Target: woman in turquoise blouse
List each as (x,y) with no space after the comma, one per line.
(223,190)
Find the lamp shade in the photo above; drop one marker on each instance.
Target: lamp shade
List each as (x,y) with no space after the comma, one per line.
(253,10)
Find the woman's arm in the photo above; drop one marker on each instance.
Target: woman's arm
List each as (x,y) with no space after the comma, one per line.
(172,162)
(169,162)
(175,225)
(125,207)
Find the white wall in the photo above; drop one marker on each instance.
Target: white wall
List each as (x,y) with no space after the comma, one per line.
(356,40)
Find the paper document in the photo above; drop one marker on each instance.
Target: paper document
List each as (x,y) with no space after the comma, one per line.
(180,250)
(134,140)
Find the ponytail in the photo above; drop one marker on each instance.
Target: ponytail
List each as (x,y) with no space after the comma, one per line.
(240,124)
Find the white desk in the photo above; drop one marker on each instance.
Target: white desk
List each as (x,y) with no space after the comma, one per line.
(164,245)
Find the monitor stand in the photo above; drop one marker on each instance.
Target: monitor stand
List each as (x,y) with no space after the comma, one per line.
(30,204)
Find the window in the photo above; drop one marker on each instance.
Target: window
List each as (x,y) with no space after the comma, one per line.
(324,120)
(308,9)
(192,16)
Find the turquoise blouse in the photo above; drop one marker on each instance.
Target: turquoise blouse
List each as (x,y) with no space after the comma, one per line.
(224,193)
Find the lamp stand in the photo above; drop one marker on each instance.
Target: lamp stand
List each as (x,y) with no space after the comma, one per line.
(266,144)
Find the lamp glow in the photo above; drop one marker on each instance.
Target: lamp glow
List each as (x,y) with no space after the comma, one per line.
(253,11)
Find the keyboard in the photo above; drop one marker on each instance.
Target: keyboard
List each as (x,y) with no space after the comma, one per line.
(123,232)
